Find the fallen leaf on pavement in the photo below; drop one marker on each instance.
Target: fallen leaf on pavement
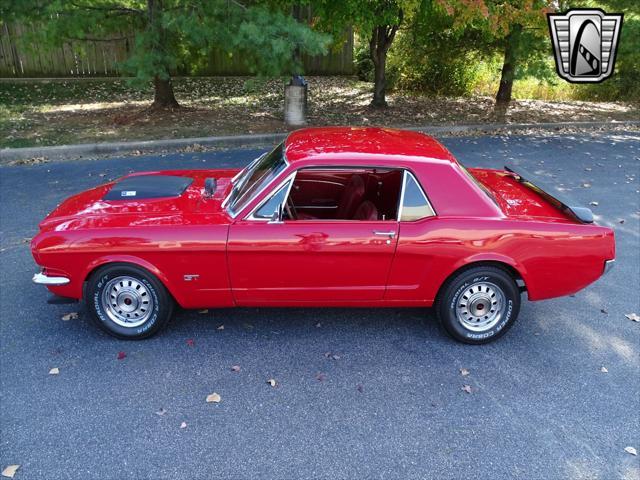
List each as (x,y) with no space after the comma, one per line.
(631,450)
(10,471)
(464,372)
(604,370)
(221,327)
(190,342)
(467,388)
(332,356)
(121,355)
(183,425)
(272,382)
(634,317)
(161,412)
(54,371)
(321,377)
(214,398)
(603,310)
(360,388)
(235,368)
(70,316)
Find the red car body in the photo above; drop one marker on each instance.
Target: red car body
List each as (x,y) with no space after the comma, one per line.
(206,257)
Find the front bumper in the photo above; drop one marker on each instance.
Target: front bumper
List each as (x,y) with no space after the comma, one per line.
(608,265)
(43,279)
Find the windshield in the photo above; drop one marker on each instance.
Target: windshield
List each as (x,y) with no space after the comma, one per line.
(255,177)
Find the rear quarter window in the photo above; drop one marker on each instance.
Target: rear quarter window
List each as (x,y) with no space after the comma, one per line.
(415,205)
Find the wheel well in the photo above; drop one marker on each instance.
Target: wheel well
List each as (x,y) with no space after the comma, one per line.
(127,264)
(513,273)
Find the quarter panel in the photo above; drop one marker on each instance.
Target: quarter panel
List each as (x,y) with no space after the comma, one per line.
(553,259)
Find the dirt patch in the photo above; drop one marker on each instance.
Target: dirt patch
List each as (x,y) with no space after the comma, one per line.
(71,112)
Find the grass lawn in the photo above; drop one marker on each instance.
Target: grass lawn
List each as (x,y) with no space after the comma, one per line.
(81,111)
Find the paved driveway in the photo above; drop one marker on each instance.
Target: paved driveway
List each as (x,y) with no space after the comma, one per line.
(390,406)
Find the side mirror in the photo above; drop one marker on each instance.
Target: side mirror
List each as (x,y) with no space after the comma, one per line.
(277,215)
(210,185)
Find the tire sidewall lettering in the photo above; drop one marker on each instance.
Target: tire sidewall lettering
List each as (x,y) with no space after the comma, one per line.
(504,322)
(102,316)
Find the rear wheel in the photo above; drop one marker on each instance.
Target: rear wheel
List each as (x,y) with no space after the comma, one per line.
(128,302)
(478,305)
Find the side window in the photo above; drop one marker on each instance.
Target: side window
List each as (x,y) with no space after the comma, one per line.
(414,202)
(364,193)
(271,206)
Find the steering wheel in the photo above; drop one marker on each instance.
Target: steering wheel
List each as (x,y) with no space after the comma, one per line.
(291,209)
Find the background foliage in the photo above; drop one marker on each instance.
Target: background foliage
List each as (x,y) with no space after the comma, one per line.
(433,57)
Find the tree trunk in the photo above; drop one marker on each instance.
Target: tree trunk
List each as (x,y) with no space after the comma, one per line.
(503,97)
(163,96)
(163,88)
(380,81)
(381,39)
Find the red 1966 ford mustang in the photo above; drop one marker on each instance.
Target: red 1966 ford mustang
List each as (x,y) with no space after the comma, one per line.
(331,217)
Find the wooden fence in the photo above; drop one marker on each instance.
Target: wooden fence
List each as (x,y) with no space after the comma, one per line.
(103,58)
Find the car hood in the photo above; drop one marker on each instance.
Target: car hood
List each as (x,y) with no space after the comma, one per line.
(147,198)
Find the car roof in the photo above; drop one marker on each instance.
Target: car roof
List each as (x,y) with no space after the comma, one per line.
(343,143)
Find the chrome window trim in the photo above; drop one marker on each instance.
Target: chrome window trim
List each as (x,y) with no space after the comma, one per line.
(259,192)
(404,186)
(407,173)
(251,216)
(405,176)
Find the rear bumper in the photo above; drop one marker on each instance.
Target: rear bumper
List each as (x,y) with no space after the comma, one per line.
(43,279)
(608,265)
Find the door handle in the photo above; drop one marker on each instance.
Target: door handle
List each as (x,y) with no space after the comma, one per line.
(391,234)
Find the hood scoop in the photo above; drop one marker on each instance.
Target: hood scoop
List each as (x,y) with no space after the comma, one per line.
(148,186)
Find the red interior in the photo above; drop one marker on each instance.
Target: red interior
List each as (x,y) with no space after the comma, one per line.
(341,194)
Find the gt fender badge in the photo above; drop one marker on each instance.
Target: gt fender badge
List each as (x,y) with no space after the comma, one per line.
(128,193)
(585,42)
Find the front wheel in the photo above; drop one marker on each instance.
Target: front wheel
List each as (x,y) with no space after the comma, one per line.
(478,305)
(128,302)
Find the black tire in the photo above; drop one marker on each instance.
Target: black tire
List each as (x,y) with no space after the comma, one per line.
(465,292)
(154,296)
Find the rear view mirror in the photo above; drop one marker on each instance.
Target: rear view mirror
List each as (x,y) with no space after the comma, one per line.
(210,186)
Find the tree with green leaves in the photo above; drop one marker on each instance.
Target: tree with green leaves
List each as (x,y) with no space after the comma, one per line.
(166,32)
(376,20)
(517,29)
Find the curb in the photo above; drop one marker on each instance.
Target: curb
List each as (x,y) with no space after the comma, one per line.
(229,141)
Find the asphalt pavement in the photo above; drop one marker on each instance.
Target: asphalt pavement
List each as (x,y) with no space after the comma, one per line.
(360,393)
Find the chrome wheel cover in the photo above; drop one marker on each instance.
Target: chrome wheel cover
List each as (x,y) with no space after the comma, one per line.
(480,306)
(127,301)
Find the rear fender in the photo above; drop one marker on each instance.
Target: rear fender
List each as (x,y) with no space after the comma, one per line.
(492,257)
